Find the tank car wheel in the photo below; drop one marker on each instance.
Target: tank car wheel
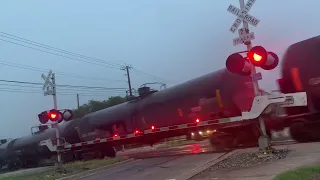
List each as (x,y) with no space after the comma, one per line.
(106,151)
(110,152)
(188,137)
(101,154)
(12,165)
(299,132)
(77,156)
(221,141)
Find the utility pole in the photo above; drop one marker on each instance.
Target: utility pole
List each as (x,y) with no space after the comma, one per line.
(127,68)
(78,101)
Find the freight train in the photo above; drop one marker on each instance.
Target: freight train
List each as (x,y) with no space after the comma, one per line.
(215,95)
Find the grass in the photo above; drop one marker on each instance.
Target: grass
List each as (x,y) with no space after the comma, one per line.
(305,173)
(71,169)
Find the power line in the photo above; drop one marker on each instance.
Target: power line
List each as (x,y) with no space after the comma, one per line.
(32,68)
(59,93)
(63,89)
(81,60)
(55,49)
(147,74)
(62,85)
(34,43)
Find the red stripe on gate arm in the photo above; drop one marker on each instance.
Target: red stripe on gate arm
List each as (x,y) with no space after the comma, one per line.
(84,143)
(123,136)
(73,145)
(110,139)
(173,127)
(192,124)
(96,141)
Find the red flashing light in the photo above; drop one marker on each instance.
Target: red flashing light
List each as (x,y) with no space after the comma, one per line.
(152,127)
(116,135)
(197,120)
(254,56)
(53,115)
(137,132)
(258,56)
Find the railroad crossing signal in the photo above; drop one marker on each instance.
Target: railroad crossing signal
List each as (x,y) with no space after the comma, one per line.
(242,15)
(48,84)
(257,56)
(55,115)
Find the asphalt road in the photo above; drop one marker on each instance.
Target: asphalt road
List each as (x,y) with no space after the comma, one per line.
(191,149)
(195,148)
(161,168)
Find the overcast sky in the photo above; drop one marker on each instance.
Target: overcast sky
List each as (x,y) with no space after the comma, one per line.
(170,41)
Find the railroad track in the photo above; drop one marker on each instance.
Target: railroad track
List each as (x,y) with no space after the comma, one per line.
(190,149)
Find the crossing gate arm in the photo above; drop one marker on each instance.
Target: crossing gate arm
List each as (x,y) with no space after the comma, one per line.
(260,103)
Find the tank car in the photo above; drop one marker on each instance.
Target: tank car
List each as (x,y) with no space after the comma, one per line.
(27,150)
(172,106)
(301,72)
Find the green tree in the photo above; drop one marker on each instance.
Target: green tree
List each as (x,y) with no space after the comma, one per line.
(93,106)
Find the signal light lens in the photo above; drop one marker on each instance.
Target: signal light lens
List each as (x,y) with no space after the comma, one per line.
(53,115)
(257,57)
(197,120)
(137,132)
(254,56)
(237,64)
(116,135)
(43,117)
(152,127)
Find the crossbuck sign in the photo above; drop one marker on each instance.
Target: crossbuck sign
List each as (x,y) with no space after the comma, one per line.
(242,15)
(48,85)
(244,37)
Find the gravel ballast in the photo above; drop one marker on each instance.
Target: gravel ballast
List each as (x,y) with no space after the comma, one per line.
(248,158)
(237,161)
